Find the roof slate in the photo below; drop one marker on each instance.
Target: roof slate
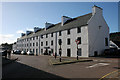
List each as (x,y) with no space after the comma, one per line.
(75,22)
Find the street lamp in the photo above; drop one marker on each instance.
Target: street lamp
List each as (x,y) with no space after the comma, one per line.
(60,50)
(77,42)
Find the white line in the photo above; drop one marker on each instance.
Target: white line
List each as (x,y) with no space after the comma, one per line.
(98,64)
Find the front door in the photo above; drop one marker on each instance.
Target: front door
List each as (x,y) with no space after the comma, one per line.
(36,51)
(68,52)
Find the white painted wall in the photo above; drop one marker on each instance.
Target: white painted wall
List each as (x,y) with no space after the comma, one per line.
(92,38)
(73,46)
(96,36)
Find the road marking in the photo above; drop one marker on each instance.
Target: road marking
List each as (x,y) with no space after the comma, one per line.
(108,74)
(98,64)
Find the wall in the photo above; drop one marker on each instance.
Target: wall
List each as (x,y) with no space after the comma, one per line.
(73,46)
(96,35)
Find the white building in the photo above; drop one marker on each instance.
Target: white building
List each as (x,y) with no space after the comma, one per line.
(91,29)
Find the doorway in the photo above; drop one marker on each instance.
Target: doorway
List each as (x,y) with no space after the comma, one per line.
(95,53)
(68,52)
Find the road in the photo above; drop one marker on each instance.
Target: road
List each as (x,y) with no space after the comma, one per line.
(35,67)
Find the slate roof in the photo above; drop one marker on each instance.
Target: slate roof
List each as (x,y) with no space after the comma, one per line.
(73,23)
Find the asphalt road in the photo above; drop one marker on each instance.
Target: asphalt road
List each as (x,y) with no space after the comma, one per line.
(35,67)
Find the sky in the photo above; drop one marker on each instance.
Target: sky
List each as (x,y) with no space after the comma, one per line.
(17,17)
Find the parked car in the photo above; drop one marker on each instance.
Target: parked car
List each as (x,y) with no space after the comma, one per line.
(23,52)
(111,51)
(3,53)
(30,53)
(17,52)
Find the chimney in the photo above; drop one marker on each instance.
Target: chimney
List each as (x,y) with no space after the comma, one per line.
(47,25)
(22,34)
(64,19)
(36,29)
(28,32)
(97,10)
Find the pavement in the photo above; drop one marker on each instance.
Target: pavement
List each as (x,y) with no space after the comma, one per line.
(37,67)
(66,60)
(6,61)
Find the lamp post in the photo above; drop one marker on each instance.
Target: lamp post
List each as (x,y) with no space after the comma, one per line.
(77,51)
(60,50)
(77,42)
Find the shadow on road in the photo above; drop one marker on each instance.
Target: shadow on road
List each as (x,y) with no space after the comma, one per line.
(16,71)
(19,71)
(108,56)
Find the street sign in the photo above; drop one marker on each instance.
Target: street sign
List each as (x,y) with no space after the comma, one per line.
(77,41)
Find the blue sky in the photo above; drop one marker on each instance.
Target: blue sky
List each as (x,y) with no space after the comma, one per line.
(21,16)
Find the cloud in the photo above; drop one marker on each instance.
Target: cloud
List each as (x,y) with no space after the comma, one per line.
(7,38)
(6,35)
(30,29)
(20,31)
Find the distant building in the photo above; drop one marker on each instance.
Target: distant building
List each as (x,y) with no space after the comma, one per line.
(91,30)
(14,47)
(2,48)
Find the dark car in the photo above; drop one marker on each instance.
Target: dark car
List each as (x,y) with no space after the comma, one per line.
(4,53)
(111,51)
(17,52)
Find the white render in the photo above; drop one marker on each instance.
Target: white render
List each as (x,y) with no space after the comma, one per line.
(92,38)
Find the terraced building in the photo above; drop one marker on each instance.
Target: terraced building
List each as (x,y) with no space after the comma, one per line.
(91,30)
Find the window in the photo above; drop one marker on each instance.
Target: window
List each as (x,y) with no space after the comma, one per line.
(59,41)
(41,43)
(46,35)
(30,44)
(79,30)
(100,27)
(68,41)
(41,36)
(106,41)
(33,38)
(79,52)
(36,43)
(33,51)
(36,37)
(30,38)
(68,31)
(27,39)
(36,51)
(60,33)
(46,43)
(27,45)
(41,50)
(79,38)
(33,44)
(52,42)
(51,34)
(51,50)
